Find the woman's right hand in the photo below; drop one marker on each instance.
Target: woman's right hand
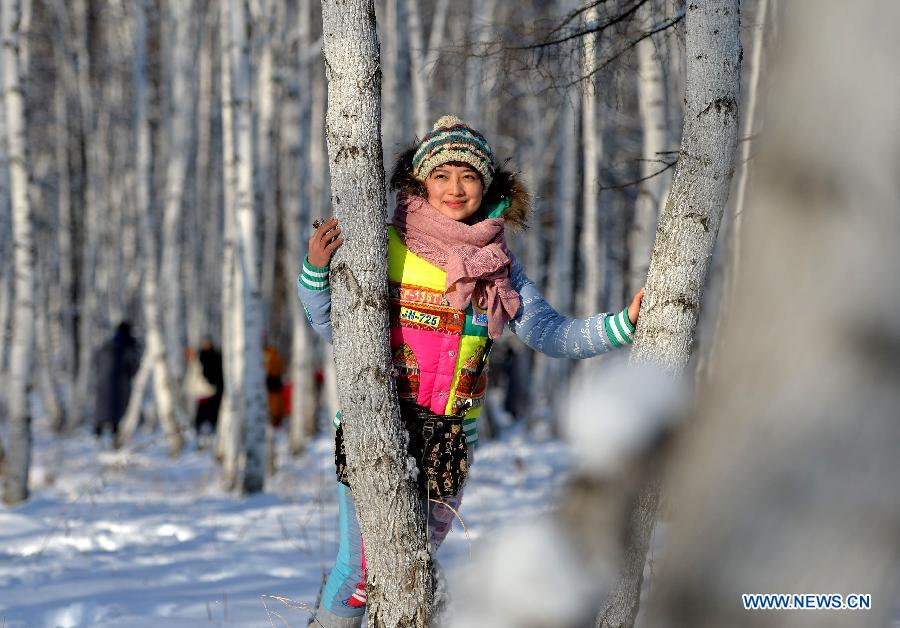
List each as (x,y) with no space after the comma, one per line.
(324,242)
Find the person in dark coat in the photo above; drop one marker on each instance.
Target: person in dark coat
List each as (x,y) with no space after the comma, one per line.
(116,363)
(208,407)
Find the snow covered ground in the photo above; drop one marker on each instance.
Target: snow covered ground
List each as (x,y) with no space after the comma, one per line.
(136,539)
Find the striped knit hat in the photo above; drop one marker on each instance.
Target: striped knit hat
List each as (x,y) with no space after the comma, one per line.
(452,140)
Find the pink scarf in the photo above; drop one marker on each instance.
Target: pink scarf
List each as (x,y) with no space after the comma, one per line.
(474,257)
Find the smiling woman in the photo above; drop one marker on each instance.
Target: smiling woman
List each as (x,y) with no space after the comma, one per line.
(454,286)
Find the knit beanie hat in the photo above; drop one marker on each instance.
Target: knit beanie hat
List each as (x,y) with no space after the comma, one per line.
(452,140)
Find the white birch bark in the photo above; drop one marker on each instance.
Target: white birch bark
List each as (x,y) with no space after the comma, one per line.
(205,186)
(690,222)
(592,149)
(295,178)
(786,481)
(565,200)
(390,94)
(17,462)
(64,327)
(88,330)
(179,135)
(228,430)
(565,193)
(482,19)
(254,409)
(532,166)
(320,207)
(398,580)
(6,264)
(320,186)
(47,366)
(747,132)
(423,56)
(265,175)
(684,240)
(163,385)
(130,420)
(651,193)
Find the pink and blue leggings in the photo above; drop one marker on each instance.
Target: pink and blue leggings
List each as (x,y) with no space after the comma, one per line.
(343,602)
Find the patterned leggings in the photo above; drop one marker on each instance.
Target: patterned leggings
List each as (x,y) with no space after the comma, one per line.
(343,602)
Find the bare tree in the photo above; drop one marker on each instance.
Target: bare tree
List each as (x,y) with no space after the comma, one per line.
(93,135)
(592,149)
(423,55)
(18,459)
(655,180)
(398,580)
(179,137)
(482,14)
(684,241)
(295,177)
(786,481)
(253,411)
(154,359)
(228,427)
(733,230)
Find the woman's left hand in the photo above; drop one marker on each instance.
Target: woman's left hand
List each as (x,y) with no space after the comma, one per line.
(635,306)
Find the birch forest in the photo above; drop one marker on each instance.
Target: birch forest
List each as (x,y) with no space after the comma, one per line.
(163,166)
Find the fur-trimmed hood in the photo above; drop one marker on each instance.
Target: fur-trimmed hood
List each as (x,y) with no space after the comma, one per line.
(506,184)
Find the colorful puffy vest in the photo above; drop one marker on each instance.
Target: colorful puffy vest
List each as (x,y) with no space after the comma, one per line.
(439,352)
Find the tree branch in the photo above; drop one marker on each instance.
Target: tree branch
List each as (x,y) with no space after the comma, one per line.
(593,28)
(668,166)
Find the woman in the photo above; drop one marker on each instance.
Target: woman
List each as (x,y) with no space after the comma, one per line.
(453,286)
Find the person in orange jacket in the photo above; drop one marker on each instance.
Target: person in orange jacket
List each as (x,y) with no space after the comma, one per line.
(274,368)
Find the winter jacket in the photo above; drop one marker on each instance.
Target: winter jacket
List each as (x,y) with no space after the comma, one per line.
(438,351)
(115,364)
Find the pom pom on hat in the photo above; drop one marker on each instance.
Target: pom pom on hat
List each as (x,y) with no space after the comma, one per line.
(451,139)
(446,121)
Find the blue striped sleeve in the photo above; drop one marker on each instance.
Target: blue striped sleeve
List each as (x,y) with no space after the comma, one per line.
(544,329)
(315,295)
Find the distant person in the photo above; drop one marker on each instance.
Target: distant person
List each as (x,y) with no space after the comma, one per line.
(207,389)
(115,365)
(274,370)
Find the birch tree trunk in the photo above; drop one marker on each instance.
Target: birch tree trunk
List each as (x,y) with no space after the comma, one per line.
(565,194)
(589,294)
(321,208)
(6,263)
(47,366)
(651,193)
(398,580)
(786,481)
(482,18)
(92,138)
(206,186)
(747,131)
(254,409)
(423,55)
(17,462)
(179,133)
(155,355)
(265,182)
(690,221)
(228,428)
(396,114)
(65,326)
(684,241)
(296,202)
